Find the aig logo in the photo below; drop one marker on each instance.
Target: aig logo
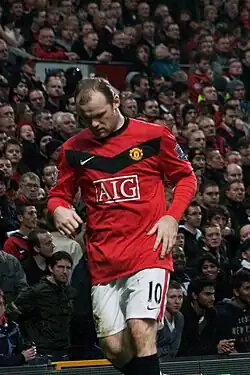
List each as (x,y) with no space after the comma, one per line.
(117,189)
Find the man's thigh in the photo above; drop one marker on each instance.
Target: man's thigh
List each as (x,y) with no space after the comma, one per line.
(147,292)
(108,316)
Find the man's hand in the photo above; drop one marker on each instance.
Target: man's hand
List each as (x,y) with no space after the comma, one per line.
(166,228)
(72,56)
(29,354)
(66,220)
(226,346)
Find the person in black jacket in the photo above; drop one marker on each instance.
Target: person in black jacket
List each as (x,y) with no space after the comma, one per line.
(47,309)
(199,333)
(12,352)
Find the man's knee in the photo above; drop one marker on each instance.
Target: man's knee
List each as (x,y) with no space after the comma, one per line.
(117,349)
(143,334)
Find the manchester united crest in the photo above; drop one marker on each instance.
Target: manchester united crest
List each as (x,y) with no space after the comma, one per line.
(136,153)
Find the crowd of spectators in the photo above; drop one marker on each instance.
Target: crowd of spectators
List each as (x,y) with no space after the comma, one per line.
(188,68)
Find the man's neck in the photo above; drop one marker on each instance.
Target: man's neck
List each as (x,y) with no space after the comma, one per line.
(24,230)
(198,310)
(237,302)
(40,261)
(120,121)
(197,71)
(54,101)
(169,316)
(190,228)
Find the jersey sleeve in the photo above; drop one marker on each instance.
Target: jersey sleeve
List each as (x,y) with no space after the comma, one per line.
(173,161)
(178,170)
(65,189)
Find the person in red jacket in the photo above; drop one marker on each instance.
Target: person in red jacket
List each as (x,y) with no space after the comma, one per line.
(17,244)
(120,165)
(46,48)
(199,78)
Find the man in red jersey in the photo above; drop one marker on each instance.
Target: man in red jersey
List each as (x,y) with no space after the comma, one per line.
(120,165)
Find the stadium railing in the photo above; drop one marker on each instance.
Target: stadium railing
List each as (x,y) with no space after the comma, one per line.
(220,365)
(115,71)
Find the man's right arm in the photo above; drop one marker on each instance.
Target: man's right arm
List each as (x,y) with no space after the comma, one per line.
(63,193)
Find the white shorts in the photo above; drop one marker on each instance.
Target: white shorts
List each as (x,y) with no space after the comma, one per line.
(138,296)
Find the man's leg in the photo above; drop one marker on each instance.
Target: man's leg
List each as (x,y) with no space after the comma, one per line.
(145,308)
(110,323)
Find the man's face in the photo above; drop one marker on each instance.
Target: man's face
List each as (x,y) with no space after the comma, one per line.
(6,168)
(158,83)
(55,88)
(203,66)
(61,271)
(230,117)
(143,88)
(7,120)
(191,116)
(129,108)
(210,94)
(68,125)
(2,188)
(174,300)
(211,196)
(4,53)
(206,297)
(233,173)
(243,293)
(245,233)
(17,9)
(29,188)
(235,69)
(47,245)
(197,140)
(173,31)
(46,38)
(37,100)
(213,236)
(143,11)
(179,259)
(189,129)
(245,155)
(44,141)
(208,127)
(219,220)
(49,174)
(199,162)
(91,41)
(236,192)
(45,122)
(151,109)
(235,158)
(148,29)
(13,153)
(215,160)
(29,217)
(99,115)
(223,45)
(3,140)
(193,217)
(210,270)
(72,105)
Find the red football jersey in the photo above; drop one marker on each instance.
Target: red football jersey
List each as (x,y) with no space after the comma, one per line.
(121,179)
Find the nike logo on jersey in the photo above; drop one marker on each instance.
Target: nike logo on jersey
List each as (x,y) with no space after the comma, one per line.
(151,308)
(82,162)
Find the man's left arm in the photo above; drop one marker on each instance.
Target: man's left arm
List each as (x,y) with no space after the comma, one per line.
(178,170)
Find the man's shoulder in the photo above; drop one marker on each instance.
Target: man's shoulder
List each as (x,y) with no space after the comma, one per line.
(79,140)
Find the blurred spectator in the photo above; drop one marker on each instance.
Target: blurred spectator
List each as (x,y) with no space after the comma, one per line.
(47,308)
(12,346)
(35,263)
(169,337)
(17,244)
(13,278)
(233,314)
(199,332)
